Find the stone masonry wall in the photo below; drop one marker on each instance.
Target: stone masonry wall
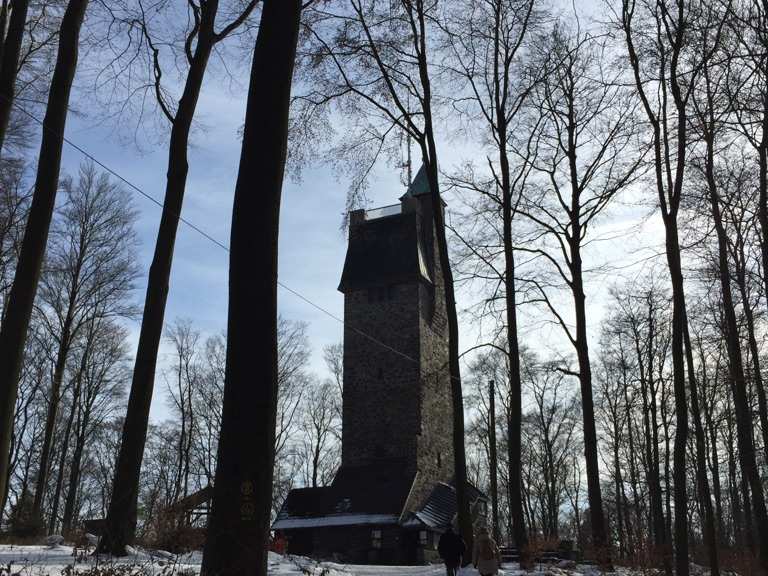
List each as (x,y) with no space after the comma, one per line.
(381,396)
(435,457)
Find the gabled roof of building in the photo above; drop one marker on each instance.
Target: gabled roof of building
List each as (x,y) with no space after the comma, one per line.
(372,494)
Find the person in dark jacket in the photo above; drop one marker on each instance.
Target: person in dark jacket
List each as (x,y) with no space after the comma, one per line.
(451,549)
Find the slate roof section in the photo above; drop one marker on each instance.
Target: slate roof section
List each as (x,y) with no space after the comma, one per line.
(371,494)
(377,488)
(307,502)
(440,508)
(386,250)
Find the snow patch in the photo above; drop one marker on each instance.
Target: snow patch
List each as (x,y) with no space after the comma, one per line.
(334,520)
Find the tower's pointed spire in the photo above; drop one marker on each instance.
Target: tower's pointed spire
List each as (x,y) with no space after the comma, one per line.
(420,185)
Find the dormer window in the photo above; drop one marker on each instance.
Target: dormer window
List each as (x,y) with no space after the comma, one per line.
(345,505)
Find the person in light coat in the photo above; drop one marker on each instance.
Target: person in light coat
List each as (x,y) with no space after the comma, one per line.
(486,555)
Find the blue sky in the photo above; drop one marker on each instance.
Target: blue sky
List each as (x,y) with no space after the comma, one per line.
(312,247)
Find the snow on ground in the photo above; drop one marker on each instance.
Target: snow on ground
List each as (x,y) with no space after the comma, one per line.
(66,560)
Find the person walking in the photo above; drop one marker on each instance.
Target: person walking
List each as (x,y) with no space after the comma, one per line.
(451,549)
(486,555)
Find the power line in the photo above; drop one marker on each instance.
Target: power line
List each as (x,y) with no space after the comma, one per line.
(202,232)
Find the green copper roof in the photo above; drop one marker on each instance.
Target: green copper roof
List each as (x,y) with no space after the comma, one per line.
(420,184)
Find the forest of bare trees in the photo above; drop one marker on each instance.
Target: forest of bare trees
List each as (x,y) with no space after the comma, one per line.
(601,394)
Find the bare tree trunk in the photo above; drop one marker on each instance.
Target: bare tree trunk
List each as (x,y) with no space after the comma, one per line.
(617,480)
(737,517)
(493,459)
(762,151)
(41,484)
(65,440)
(633,477)
(736,377)
(9,62)
(749,525)
(65,340)
(597,516)
(667,487)
(513,349)
(713,451)
(754,353)
(651,426)
(13,333)
(74,472)
(121,517)
(239,525)
(702,481)
(429,155)
(63,458)
(681,404)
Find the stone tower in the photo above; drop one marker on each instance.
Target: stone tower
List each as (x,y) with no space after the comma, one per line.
(397,400)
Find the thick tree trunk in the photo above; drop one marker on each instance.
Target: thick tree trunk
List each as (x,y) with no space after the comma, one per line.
(239,525)
(121,517)
(9,63)
(13,333)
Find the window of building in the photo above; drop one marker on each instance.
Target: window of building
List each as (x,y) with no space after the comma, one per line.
(439,460)
(423,537)
(376,538)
